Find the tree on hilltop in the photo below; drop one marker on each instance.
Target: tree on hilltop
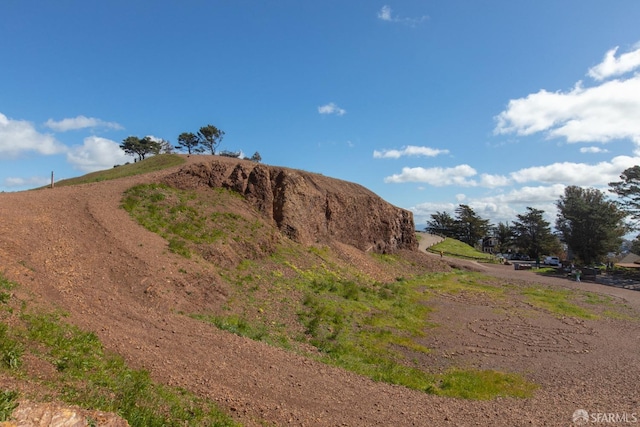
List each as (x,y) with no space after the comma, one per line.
(190,142)
(210,137)
(134,146)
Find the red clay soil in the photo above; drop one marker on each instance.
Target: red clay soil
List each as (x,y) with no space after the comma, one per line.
(76,249)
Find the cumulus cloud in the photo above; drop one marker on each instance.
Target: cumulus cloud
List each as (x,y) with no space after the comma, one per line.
(331,108)
(96,154)
(437,176)
(502,207)
(581,174)
(80,122)
(612,66)
(440,177)
(600,113)
(593,150)
(492,181)
(385,14)
(410,150)
(18,136)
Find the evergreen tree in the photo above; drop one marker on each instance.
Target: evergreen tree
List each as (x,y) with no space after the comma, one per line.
(442,224)
(589,224)
(134,146)
(210,137)
(188,141)
(532,234)
(628,191)
(469,226)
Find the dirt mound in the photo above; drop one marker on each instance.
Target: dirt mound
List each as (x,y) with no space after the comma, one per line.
(308,208)
(74,249)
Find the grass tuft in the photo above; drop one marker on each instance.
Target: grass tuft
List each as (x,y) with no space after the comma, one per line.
(151,164)
(8,402)
(87,375)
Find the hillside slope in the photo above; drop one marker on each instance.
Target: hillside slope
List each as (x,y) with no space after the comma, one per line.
(75,249)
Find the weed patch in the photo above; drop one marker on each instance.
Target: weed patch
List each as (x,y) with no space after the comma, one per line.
(8,402)
(482,385)
(193,222)
(556,301)
(90,377)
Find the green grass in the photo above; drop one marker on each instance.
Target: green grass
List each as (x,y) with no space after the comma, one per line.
(456,248)
(191,222)
(151,164)
(8,402)
(482,385)
(557,301)
(87,375)
(374,328)
(5,286)
(368,327)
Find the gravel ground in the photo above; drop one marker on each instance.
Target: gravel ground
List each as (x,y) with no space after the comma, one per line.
(74,248)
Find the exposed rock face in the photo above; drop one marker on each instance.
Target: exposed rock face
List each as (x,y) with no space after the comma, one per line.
(51,415)
(307,207)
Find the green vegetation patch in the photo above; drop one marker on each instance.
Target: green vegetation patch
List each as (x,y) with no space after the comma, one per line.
(482,385)
(557,301)
(85,374)
(5,287)
(306,299)
(8,402)
(151,164)
(458,249)
(368,327)
(193,222)
(463,281)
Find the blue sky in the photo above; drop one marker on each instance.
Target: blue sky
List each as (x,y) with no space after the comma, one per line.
(430,104)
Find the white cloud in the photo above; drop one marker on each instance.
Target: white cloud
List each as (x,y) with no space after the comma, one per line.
(17,136)
(80,122)
(410,150)
(581,174)
(593,150)
(491,181)
(32,182)
(331,108)
(598,114)
(601,113)
(440,177)
(612,66)
(385,14)
(502,207)
(437,177)
(96,154)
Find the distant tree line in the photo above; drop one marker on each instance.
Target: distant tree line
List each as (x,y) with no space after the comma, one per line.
(207,139)
(587,222)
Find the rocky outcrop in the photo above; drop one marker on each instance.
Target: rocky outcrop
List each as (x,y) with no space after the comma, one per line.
(307,207)
(34,414)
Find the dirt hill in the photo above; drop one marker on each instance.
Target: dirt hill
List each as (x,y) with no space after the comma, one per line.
(75,249)
(308,208)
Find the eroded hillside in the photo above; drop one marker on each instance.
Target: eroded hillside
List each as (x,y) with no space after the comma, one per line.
(284,316)
(308,208)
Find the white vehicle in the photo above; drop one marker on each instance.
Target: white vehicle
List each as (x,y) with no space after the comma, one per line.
(552,260)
